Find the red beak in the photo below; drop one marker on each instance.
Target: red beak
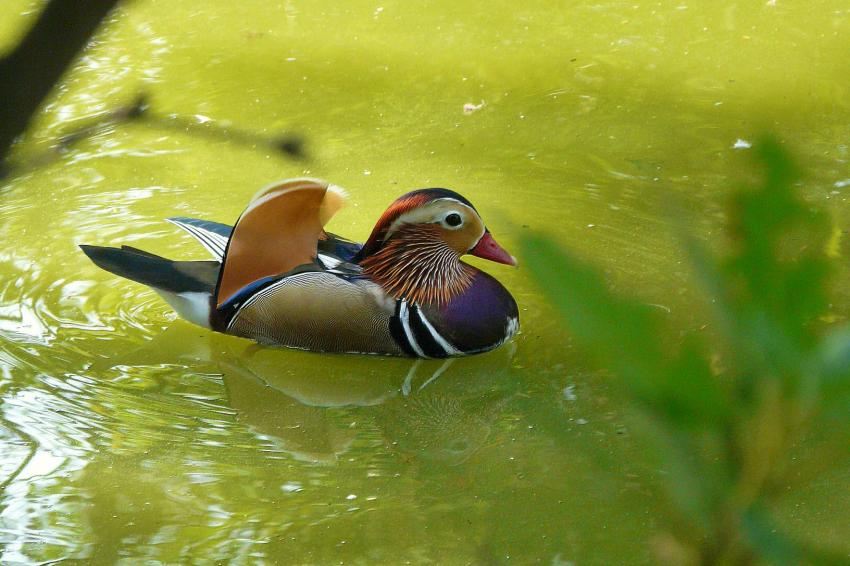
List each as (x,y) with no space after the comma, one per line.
(487,248)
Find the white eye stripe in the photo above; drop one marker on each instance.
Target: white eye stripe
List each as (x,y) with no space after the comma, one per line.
(427,215)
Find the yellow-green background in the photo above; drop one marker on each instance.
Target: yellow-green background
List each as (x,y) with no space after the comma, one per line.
(128,435)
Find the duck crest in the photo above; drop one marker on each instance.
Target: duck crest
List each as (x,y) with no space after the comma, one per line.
(416,265)
(403,204)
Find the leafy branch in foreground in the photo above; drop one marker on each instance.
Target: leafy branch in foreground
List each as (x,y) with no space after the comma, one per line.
(726,435)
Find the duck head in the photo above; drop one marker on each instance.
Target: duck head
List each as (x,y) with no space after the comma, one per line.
(415,248)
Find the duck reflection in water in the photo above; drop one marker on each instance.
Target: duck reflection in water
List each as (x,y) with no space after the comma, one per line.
(439,411)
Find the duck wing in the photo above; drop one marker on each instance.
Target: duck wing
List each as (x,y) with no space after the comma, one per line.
(279,231)
(212,235)
(336,254)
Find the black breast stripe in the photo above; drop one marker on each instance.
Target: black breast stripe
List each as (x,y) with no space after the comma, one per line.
(423,335)
(398,333)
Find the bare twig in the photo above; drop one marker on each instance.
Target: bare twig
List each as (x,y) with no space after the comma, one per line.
(289,145)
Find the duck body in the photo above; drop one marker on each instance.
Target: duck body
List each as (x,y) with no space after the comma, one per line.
(404,292)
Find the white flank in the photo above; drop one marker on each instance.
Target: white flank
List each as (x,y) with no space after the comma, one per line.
(192,306)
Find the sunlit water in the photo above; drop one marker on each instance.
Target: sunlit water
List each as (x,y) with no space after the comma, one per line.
(130,435)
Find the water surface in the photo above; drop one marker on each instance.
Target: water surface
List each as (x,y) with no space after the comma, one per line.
(130,435)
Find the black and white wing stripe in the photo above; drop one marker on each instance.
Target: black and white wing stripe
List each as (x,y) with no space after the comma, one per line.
(417,336)
(212,235)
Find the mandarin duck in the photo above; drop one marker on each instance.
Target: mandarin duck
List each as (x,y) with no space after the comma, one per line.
(280,279)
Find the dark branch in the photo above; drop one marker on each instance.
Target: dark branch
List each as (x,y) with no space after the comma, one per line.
(29,72)
(140,111)
(290,145)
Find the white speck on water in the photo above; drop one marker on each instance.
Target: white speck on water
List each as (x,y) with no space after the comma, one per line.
(367,172)
(471,107)
(842,183)
(591,225)
(581,421)
(291,487)
(291,59)
(378,11)
(569,393)
(351,496)
(202,119)
(741,144)
(660,307)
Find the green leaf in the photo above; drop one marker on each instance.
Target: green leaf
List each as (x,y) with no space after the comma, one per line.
(625,334)
(776,274)
(832,369)
(763,534)
(603,322)
(691,393)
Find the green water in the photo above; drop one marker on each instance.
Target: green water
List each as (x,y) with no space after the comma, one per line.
(131,436)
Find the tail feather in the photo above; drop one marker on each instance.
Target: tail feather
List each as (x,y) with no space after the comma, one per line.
(155,271)
(132,250)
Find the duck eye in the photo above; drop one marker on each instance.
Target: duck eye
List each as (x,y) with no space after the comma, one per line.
(454,219)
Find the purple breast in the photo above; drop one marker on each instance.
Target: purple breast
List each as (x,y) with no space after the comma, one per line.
(479,318)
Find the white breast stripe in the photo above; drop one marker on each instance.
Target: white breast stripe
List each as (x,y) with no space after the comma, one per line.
(444,344)
(404,316)
(511,328)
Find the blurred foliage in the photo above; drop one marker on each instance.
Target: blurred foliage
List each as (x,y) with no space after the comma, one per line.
(726,411)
